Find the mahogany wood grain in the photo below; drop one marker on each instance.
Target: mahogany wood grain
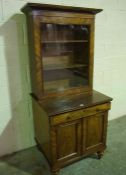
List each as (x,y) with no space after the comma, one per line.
(62,104)
(72,123)
(69,136)
(34,21)
(74,115)
(42,129)
(79,136)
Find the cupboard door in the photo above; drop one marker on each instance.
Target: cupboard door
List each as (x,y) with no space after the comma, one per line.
(67,141)
(94,132)
(66,54)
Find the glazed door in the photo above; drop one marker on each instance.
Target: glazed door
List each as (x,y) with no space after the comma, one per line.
(67,141)
(67,54)
(94,132)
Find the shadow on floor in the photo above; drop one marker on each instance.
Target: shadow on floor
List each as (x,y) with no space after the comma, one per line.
(26,162)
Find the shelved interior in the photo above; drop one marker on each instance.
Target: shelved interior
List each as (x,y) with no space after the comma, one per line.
(65,56)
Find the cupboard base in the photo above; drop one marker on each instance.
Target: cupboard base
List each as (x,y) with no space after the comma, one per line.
(70,136)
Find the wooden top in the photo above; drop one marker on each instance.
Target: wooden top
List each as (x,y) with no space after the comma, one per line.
(54,106)
(36,6)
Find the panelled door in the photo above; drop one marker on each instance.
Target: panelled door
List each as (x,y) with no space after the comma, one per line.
(67,141)
(94,132)
(66,45)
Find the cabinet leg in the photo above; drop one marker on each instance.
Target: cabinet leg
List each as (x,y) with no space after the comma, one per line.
(100,154)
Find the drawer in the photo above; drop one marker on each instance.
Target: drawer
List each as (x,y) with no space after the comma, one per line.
(74,115)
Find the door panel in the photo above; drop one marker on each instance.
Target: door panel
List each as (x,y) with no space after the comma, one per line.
(68,138)
(94,131)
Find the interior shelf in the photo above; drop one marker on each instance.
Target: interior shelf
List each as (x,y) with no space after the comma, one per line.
(51,75)
(64,41)
(55,67)
(65,55)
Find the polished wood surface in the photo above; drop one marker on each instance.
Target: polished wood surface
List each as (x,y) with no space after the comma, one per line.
(74,115)
(70,118)
(62,104)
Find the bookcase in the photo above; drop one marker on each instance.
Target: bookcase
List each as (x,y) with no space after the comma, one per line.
(70,118)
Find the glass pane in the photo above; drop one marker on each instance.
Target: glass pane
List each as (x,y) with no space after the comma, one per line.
(65,55)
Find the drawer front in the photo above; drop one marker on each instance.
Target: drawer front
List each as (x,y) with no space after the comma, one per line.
(74,115)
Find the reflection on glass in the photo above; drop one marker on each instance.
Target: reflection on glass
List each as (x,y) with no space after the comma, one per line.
(65,56)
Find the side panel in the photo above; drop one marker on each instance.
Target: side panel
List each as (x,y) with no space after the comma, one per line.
(42,133)
(34,40)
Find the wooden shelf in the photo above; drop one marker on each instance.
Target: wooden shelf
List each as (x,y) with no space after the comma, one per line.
(65,41)
(55,67)
(58,54)
(63,84)
(54,75)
